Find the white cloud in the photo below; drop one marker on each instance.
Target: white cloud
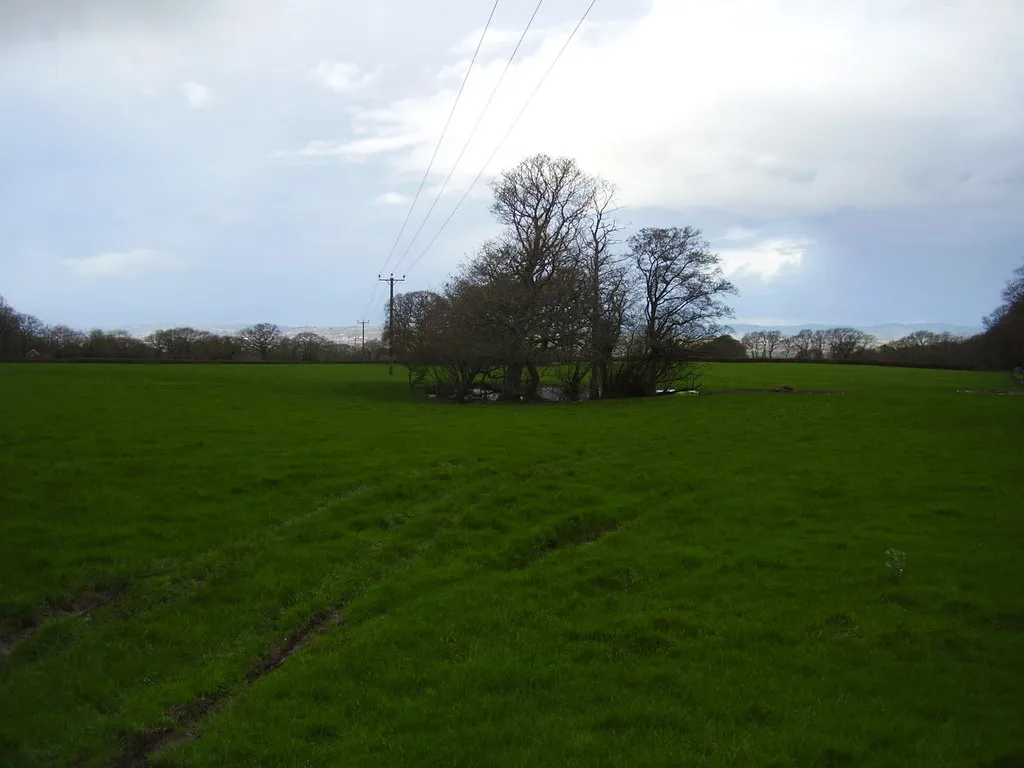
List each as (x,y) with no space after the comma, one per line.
(196,94)
(494,40)
(351,151)
(123,264)
(392,198)
(739,233)
(785,113)
(340,76)
(765,259)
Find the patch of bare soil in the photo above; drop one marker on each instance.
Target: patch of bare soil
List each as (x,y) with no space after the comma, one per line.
(82,605)
(183,720)
(780,390)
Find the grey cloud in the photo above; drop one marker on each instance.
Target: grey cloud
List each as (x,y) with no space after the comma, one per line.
(48,19)
(787,172)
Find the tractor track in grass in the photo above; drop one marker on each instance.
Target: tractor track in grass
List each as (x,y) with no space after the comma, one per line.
(182,721)
(81,606)
(189,576)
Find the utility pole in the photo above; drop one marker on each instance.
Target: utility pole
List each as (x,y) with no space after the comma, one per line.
(362,354)
(391,318)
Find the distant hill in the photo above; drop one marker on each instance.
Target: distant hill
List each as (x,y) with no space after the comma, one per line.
(882,332)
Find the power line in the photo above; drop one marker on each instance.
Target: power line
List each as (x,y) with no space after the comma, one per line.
(472,133)
(505,137)
(440,139)
(437,146)
(369,303)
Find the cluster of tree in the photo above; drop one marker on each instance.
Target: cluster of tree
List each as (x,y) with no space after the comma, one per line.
(933,349)
(25,337)
(832,344)
(1002,343)
(552,291)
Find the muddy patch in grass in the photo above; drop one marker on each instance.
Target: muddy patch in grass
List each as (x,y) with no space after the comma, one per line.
(80,606)
(182,721)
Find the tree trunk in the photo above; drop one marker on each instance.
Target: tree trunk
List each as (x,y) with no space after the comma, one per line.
(514,381)
(463,383)
(651,384)
(533,384)
(576,385)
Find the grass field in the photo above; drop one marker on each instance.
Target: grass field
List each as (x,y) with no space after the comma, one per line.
(309,566)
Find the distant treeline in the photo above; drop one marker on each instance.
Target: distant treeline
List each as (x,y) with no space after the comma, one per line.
(993,349)
(1000,346)
(24,337)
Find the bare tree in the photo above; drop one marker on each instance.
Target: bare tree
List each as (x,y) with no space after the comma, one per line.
(410,312)
(532,270)
(608,286)
(754,343)
(459,337)
(800,344)
(31,329)
(19,333)
(1012,295)
(262,338)
(724,347)
(100,344)
(309,346)
(784,349)
(10,331)
(62,341)
(772,343)
(1002,344)
(213,346)
(177,343)
(925,348)
(819,344)
(550,291)
(844,343)
(680,305)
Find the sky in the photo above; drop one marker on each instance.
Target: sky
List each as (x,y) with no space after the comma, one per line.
(211,162)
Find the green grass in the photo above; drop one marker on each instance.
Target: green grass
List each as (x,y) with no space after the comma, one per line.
(679,581)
